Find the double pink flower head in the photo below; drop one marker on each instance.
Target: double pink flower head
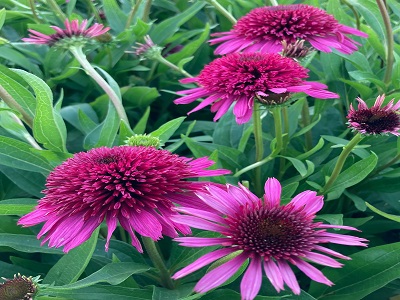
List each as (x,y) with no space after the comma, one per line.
(253,71)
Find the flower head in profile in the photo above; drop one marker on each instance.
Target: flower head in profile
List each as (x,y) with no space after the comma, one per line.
(134,185)
(272,236)
(148,49)
(73,34)
(241,78)
(263,29)
(377,119)
(20,287)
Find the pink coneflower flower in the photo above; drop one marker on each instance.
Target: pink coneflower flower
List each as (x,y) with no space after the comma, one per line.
(240,77)
(72,32)
(270,235)
(377,119)
(132,185)
(263,29)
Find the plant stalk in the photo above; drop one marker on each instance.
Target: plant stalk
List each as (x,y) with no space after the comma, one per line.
(390,41)
(158,262)
(81,58)
(257,127)
(223,11)
(57,10)
(132,14)
(340,162)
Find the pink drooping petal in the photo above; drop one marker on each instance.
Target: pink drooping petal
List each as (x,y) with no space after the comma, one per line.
(288,276)
(251,282)
(111,225)
(220,274)
(323,260)
(198,223)
(202,242)
(274,275)
(309,202)
(343,239)
(202,261)
(312,272)
(330,252)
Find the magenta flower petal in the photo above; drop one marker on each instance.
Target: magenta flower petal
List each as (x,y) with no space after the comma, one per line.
(133,185)
(72,30)
(251,282)
(264,29)
(270,235)
(242,78)
(377,119)
(220,274)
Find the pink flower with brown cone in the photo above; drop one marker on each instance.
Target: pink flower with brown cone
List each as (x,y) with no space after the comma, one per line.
(136,186)
(270,235)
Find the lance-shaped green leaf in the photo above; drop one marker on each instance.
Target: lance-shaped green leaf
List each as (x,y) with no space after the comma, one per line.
(48,125)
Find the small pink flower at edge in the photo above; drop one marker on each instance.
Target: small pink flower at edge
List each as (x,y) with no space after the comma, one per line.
(270,235)
(377,119)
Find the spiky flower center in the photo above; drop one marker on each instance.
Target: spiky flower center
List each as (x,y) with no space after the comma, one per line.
(116,180)
(375,121)
(279,232)
(245,74)
(19,288)
(286,22)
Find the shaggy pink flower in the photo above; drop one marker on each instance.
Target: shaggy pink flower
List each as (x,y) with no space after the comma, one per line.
(240,77)
(377,119)
(270,235)
(134,185)
(72,30)
(263,29)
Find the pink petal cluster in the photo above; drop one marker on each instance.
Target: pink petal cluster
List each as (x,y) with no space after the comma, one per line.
(377,119)
(270,235)
(72,29)
(263,29)
(240,77)
(134,185)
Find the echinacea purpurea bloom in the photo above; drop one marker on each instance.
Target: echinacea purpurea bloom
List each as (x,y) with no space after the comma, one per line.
(73,30)
(134,185)
(270,235)
(377,119)
(265,28)
(241,77)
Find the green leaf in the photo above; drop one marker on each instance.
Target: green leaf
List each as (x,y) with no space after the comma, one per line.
(71,266)
(167,28)
(2,17)
(104,134)
(141,125)
(100,292)
(16,154)
(48,125)
(366,272)
(298,165)
(140,96)
(383,214)
(356,173)
(115,16)
(226,294)
(113,273)
(17,206)
(168,129)
(11,83)
(25,243)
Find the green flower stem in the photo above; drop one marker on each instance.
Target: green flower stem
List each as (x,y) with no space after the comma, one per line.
(132,14)
(285,135)
(169,64)
(81,58)
(257,127)
(26,135)
(390,41)
(54,7)
(146,11)
(158,262)
(10,101)
(380,169)
(340,162)
(223,11)
(33,10)
(91,6)
(305,116)
(278,147)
